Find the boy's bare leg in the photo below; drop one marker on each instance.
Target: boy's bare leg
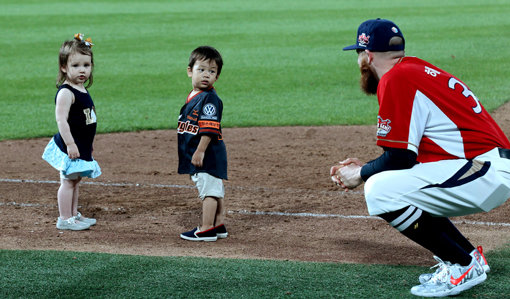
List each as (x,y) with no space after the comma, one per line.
(220,212)
(209,206)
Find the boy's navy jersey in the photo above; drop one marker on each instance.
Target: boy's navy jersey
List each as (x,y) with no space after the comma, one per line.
(82,122)
(201,115)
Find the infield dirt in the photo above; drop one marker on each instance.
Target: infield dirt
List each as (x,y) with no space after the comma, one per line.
(142,204)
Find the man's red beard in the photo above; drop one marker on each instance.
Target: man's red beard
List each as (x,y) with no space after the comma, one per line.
(368,81)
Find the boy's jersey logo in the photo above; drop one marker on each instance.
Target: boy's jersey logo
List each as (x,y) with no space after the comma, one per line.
(383,126)
(187,127)
(209,109)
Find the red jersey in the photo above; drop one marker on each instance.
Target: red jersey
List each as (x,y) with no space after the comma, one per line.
(429,111)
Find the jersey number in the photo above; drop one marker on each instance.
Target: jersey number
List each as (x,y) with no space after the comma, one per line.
(88,116)
(466,92)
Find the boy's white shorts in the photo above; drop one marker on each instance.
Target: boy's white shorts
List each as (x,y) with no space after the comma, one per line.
(208,185)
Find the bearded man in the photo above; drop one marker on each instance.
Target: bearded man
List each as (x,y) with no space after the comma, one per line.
(443,156)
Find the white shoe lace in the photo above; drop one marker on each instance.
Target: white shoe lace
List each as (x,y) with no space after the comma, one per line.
(71,220)
(442,274)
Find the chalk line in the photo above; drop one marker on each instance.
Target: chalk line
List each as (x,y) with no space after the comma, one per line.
(245,212)
(242,212)
(98,183)
(254,188)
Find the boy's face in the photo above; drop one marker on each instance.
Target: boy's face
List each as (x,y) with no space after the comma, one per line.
(203,74)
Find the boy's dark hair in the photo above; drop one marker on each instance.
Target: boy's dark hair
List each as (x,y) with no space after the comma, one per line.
(206,53)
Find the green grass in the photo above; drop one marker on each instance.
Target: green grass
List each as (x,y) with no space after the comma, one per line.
(283,59)
(283,66)
(56,274)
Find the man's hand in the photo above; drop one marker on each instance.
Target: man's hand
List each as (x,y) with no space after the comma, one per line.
(347,173)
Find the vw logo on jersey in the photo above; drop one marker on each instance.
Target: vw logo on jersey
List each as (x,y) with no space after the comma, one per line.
(209,109)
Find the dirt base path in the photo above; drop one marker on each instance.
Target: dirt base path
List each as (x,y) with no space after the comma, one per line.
(281,202)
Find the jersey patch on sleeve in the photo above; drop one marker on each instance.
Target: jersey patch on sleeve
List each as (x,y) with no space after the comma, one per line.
(209,111)
(209,124)
(383,126)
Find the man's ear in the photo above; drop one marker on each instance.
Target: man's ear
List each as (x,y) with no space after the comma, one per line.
(370,56)
(190,72)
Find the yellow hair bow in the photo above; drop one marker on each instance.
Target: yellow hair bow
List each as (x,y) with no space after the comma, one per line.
(88,41)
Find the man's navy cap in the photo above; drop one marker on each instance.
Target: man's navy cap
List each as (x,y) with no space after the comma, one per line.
(375,35)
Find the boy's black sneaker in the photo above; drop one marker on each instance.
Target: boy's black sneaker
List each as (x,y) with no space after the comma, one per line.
(196,235)
(221,231)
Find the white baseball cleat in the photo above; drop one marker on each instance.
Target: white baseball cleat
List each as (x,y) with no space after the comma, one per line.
(476,253)
(451,279)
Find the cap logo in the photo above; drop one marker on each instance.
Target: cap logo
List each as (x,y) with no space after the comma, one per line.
(394,29)
(363,39)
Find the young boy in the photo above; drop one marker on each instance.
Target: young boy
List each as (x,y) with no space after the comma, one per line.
(202,153)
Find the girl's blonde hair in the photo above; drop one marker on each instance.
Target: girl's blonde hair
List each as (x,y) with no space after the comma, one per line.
(69,47)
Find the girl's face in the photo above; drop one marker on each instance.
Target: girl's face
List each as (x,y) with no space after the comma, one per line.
(78,68)
(203,75)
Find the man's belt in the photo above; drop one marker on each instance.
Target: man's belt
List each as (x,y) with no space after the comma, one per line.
(504,153)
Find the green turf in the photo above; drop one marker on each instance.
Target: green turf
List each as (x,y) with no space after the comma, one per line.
(283,59)
(56,274)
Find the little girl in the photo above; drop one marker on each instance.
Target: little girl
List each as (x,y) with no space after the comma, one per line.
(70,150)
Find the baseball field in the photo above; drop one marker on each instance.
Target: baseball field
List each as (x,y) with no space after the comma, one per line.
(292,108)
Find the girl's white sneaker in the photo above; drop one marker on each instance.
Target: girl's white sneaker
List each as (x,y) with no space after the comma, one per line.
(90,221)
(71,224)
